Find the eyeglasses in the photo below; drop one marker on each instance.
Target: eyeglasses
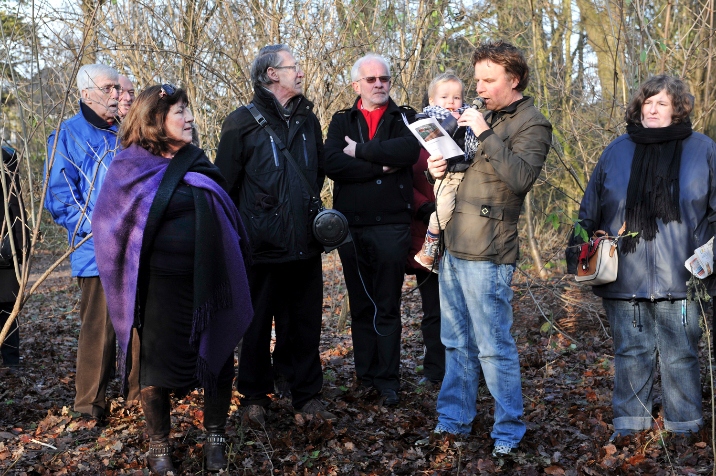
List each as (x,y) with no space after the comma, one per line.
(107,89)
(296,67)
(372,79)
(167,90)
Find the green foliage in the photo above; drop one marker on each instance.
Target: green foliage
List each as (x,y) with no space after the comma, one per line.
(553,219)
(696,290)
(580,231)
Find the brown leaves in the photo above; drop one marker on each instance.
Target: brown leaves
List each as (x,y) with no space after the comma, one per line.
(566,390)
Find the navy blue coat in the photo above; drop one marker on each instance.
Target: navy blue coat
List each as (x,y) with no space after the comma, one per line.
(655,270)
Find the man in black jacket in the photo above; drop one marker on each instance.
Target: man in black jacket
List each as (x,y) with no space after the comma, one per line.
(275,204)
(369,154)
(12,229)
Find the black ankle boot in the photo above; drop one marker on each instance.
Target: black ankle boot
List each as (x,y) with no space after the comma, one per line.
(156,407)
(215,411)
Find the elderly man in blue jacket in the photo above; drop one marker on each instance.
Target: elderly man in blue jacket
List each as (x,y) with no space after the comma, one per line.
(78,155)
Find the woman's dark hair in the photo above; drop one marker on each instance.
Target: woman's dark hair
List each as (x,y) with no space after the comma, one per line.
(681,100)
(508,56)
(144,124)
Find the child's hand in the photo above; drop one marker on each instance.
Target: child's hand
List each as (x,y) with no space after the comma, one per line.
(437,166)
(455,114)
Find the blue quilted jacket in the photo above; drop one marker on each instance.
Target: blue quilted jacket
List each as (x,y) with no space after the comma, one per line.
(81,160)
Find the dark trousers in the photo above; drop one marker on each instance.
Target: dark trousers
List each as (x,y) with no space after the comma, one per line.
(375,317)
(434,362)
(292,294)
(95,349)
(10,348)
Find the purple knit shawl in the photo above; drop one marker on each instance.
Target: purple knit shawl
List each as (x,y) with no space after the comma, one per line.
(118,223)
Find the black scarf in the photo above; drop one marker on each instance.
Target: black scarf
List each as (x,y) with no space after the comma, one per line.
(653,190)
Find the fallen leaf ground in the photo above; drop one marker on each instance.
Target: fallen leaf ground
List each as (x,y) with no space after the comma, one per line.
(567,372)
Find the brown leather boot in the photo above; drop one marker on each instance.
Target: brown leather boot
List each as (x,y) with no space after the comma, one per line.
(215,410)
(156,407)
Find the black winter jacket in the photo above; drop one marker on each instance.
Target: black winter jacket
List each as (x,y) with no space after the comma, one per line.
(9,285)
(272,199)
(655,270)
(362,191)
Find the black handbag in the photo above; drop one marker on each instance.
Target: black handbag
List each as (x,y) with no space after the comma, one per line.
(330,227)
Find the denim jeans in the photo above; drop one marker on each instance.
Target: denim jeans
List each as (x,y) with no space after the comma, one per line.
(476,308)
(673,334)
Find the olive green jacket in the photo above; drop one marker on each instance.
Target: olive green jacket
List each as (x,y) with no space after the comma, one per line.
(489,199)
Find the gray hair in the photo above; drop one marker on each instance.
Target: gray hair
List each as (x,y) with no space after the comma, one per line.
(268,57)
(355,73)
(88,73)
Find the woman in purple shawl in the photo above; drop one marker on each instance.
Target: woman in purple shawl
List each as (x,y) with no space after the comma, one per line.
(170,249)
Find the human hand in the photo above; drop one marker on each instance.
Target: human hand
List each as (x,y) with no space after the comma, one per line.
(350,149)
(389,170)
(437,166)
(473,119)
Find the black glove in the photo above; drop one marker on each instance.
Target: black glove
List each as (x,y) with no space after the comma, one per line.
(424,212)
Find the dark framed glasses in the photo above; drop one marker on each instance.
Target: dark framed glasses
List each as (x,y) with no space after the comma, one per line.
(167,90)
(373,79)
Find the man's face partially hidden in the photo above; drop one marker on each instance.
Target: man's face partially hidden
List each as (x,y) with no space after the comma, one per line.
(126,96)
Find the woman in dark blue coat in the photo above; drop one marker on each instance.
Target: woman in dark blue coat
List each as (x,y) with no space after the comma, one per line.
(659,179)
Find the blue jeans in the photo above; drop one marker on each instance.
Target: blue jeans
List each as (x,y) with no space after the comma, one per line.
(476,308)
(673,333)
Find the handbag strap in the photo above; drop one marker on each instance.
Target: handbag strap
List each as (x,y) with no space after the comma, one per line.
(264,123)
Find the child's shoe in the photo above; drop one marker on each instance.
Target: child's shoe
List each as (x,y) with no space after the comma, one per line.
(428,254)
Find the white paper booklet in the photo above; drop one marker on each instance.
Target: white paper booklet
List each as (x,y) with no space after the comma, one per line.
(434,138)
(701,263)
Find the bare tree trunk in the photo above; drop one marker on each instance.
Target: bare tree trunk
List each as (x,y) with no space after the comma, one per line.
(534,248)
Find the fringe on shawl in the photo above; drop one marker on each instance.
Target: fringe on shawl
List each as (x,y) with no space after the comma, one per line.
(122,371)
(220,299)
(207,379)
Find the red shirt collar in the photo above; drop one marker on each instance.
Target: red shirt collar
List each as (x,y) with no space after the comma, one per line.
(372,117)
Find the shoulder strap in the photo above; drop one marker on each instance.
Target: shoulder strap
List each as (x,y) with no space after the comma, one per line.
(264,123)
(177,168)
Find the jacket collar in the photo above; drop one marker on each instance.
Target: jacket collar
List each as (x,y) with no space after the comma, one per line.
(392,107)
(93,118)
(267,101)
(511,110)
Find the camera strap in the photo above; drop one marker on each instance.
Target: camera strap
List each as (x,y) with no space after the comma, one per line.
(261,120)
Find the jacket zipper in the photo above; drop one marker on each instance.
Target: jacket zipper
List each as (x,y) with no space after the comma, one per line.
(305,149)
(651,269)
(275,152)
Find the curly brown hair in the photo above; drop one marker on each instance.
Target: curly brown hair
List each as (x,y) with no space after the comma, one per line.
(508,56)
(681,100)
(144,124)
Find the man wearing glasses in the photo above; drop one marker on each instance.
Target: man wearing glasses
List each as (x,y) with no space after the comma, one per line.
(271,176)
(78,155)
(369,154)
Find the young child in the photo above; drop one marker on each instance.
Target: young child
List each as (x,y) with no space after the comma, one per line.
(446,104)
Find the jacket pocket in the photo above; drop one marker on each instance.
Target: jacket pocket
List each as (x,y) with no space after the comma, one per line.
(267,230)
(477,230)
